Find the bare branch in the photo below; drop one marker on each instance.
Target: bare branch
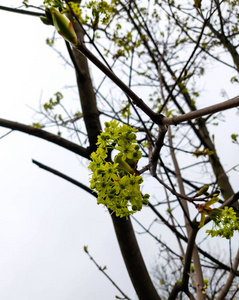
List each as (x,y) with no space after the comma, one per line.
(231,276)
(63,176)
(103,271)
(45,135)
(232,103)
(21,11)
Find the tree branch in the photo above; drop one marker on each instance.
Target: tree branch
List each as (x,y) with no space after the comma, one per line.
(45,135)
(231,103)
(156,118)
(63,176)
(183,285)
(231,276)
(103,271)
(21,11)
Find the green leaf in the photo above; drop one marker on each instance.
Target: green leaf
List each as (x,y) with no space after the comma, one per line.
(234,138)
(38,125)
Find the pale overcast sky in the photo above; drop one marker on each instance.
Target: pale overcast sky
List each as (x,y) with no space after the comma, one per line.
(44,220)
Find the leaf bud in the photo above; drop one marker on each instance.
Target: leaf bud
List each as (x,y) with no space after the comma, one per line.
(145,202)
(64,26)
(45,20)
(134,207)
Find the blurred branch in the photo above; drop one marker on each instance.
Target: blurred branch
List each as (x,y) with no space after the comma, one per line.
(183,284)
(229,281)
(21,11)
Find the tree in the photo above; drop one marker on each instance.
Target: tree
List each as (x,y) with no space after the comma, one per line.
(156,64)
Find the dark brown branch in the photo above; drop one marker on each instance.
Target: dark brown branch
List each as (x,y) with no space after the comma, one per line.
(45,135)
(183,285)
(133,259)
(230,279)
(162,130)
(21,11)
(63,176)
(156,118)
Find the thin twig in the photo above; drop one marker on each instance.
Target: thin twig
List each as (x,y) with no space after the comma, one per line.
(103,271)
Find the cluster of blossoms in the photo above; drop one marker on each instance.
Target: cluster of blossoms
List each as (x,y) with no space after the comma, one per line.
(117,184)
(225,220)
(226,223)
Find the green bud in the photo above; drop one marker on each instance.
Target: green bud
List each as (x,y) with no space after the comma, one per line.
(45,20)
(145,202)
(140,180)
(64,26)
(202,191)
(100,172)
(131,136)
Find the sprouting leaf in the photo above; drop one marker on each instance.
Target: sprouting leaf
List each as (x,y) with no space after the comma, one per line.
(234,138)
(38,125)
(234,80)
(197,3)
(202,190)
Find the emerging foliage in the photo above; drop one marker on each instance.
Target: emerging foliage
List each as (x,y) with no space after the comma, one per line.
(226,223)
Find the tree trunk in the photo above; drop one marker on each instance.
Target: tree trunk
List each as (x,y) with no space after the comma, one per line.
(123,228)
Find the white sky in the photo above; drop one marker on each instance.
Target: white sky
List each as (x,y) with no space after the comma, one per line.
(45,221)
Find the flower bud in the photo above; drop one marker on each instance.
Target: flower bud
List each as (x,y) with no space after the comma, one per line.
(45,20)
(64,26)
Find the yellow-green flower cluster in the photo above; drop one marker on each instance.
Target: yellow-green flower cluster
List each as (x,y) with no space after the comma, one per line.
(117,184)
(226,223)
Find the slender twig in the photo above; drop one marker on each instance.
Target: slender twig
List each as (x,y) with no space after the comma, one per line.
(185,67)
(156,238)
(103,271)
